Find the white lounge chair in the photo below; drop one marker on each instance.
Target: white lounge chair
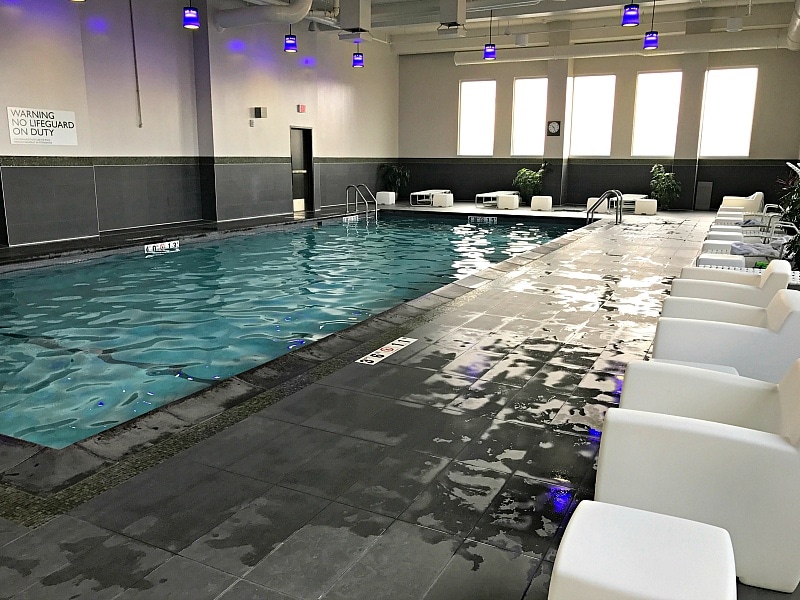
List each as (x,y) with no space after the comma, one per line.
(752,203)
(686,391)
(490,198)
(730,286)
(760,352)
(425,197)
(740,479)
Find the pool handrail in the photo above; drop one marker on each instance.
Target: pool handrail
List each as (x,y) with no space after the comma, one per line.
(358,192)
(607,195)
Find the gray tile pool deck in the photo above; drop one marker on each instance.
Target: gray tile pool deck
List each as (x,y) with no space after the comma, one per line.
(448,470)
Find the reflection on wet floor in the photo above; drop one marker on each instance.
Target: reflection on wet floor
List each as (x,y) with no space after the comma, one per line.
(447,471)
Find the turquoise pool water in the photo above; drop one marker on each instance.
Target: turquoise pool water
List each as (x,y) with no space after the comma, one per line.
(87,346)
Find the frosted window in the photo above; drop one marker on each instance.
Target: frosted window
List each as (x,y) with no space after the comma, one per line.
(476,118)
(728,104)
(655,121)
(530,106)
(592,115)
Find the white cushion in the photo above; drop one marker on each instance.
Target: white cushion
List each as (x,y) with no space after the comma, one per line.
(541,203)
(509,201)
(713,259)
(610,552)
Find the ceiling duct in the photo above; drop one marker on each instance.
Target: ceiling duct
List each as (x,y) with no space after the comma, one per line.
(293,12)
(793,34)
(356,15)
(453,12)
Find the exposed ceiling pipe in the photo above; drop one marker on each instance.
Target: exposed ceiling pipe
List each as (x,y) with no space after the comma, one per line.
(686,44)
(793,33)
(329,18)
(294,12)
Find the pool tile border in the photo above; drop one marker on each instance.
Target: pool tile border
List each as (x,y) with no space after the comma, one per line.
(146,445)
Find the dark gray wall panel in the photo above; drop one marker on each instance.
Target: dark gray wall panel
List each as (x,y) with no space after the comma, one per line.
(3,229)
(742,178)
(592,177)
(466,177)
(253,190)
(332,179)
(49,203)
(141,195)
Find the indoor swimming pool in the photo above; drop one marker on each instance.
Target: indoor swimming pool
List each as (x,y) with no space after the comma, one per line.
(92,344)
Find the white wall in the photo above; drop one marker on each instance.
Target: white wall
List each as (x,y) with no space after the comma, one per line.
(166,78)
(429,99)
(42,67)
(79,57)
(353,112)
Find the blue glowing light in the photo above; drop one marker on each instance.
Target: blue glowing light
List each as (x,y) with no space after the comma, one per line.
(596,433)
(308,62)
(561,498)
(290,43)
(97,25)
(101,403)
(630,15)
(358,60)
(489,52)
(191,18)
(650,40)
(237,46)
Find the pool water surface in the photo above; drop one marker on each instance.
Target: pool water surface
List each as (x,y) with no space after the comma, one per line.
(89,345)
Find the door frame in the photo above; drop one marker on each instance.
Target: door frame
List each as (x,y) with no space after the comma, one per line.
(308,160)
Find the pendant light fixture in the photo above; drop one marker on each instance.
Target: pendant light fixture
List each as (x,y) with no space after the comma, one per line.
(191,17)
(490,50)
(630,15)
(290,41)
(651,37)
(358,57)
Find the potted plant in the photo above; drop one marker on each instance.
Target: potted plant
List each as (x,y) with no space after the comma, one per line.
(790,200)
(393,177)
(664,187)
(529,182)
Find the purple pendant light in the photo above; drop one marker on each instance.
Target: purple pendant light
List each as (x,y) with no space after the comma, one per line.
(490,50)
(290,41)
(630,15)
(358,57)
(651,37)
(191,17)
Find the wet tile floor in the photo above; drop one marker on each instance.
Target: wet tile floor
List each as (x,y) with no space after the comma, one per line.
(447,471)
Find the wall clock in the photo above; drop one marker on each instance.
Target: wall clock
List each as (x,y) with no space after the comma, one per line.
(554,128)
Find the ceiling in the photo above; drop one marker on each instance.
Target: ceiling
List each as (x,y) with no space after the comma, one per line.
(413,26)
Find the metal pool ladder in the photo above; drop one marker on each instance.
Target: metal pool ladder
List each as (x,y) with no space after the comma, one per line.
(360,190)
(610,195)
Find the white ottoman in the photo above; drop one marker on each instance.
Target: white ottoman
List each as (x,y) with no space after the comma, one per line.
(645,206)
(541,203)
(385,197)
(610,552)
(511,201)
(603,205)
(443,200)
